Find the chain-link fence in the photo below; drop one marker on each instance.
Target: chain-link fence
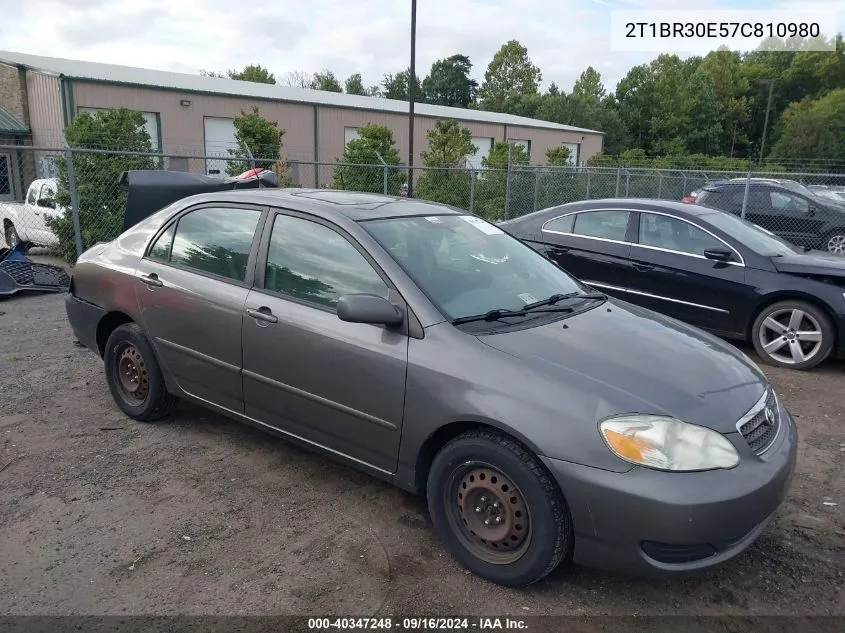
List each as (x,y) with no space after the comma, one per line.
(65,200)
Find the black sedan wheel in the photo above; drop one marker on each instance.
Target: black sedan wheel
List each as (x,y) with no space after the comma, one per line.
(12,237)
(134,376)
(836,243)
(497,509)
(793,334)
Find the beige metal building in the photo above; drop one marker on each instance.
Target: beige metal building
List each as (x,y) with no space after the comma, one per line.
(191,115)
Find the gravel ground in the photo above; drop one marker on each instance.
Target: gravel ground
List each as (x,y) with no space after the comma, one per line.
(201,515)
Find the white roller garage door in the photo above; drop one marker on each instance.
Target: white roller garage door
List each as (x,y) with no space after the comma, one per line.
(219,139)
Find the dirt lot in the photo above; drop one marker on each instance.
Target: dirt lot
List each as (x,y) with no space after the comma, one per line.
(200,515)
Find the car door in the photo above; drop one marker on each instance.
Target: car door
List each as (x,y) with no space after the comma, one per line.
(590,245)
(785,213)
(191,289)
(675,277)
(337,384)
(43,210)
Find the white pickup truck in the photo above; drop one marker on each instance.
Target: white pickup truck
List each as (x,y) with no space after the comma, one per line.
(27,221)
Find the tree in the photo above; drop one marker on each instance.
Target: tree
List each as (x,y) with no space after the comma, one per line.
(355,85)
(101,201)
(558,156)
(444,180)
(493,187)
(553,90)
(261,137)
(815,129)
(256,73)
(589,86)
(449,84)
(373,142)
(396,87)
(298,79)
(325,81)
(510,77)
(704,132)
(212,73)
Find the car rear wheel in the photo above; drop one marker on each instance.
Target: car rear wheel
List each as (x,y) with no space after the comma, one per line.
(835,242)
(497,510)
(793,334)
(134,376)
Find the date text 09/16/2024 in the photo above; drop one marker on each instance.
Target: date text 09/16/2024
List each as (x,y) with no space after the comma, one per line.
(480,624)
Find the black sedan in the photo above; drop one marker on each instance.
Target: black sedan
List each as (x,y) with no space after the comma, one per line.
(702,266)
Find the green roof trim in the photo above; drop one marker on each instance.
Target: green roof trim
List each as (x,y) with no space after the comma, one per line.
(10,124)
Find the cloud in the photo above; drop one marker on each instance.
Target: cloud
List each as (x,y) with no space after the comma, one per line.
(366,36)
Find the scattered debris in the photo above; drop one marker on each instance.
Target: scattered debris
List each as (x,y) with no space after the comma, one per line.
(830,504)
(186,538)
(112,428)
(134,562)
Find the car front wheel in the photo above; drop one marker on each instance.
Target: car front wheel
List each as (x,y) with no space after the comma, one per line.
(134,376)
(793,334)
(12,237)
(835,242)
(497,510)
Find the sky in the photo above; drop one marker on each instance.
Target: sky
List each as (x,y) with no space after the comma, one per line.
(371,37)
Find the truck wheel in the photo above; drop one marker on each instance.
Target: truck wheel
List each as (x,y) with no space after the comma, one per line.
(497,510)
(835,242)
(792,334)
(12,237)
(134,376)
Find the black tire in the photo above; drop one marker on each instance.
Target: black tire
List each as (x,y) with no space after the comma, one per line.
(814,319)
(834,242)
(11,235)
(545,517)
(127,352)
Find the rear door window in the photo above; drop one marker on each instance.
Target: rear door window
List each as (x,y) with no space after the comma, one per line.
(608,225)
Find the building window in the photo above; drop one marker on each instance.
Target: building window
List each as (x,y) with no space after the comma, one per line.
(484,145)
(151,125)
(349,134)
(523,143)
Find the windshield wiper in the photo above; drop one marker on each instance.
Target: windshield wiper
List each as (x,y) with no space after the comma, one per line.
(560,297)
(495,315)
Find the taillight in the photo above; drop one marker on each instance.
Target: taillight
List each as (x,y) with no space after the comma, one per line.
(688,199)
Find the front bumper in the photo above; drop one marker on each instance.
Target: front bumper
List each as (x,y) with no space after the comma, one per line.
(648,522)
(84,318)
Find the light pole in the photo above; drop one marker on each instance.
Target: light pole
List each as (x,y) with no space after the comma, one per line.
(411,86)
(766,122)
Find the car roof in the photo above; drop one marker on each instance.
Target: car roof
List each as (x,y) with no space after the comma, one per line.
(680,209)
(328,203)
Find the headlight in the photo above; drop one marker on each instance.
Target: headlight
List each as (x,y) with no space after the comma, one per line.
(667,444)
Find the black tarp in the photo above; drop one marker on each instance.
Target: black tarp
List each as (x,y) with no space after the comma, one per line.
(149,190)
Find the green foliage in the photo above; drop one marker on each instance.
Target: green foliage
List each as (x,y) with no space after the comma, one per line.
(589,86)
(396,87)
(262,137)
(256,73)
(326,81)
(444,181)
(510,78)
(449,83)
(814,129)
(102,201)
(558,156)
(353,173)
(493,185)
(355,85)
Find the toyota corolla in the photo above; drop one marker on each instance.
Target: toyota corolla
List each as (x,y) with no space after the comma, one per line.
(544,421)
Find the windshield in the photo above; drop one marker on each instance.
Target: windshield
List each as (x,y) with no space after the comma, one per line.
(468,266)
(758,240)
(797,187)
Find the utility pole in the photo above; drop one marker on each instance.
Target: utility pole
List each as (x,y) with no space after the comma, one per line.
(766,122)
(411,86)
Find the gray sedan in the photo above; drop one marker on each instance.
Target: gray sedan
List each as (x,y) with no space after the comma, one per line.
(542,420)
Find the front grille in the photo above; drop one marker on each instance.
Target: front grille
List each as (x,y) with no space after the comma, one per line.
(761,425)
(34,275)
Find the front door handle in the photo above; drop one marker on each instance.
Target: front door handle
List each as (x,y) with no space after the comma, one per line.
(152,280)
(263,314)
(643,267)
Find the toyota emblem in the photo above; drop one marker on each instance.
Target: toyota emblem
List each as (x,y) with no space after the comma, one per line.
(769,414)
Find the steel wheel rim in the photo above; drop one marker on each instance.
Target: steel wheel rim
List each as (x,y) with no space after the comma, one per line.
(791,336)
(488,513)
(132,374)
(836,244)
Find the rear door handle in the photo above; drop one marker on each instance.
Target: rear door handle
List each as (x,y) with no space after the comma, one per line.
(263,314)
(643,267)
(152,280)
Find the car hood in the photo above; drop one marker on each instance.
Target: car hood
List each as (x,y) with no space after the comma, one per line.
(813,262)
(642,362)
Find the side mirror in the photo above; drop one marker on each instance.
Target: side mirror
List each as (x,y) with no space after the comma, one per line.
(368,308)
(718,254)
